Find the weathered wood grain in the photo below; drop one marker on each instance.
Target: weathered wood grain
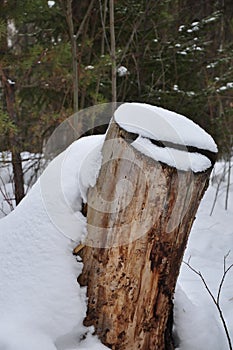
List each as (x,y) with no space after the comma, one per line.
(139,217)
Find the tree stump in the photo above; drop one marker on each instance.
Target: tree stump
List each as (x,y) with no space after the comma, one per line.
(139,216)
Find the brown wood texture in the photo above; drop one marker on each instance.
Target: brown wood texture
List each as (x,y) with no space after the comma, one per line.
(139,217)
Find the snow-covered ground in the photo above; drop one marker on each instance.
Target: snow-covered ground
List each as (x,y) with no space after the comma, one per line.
(42,306)
(197,320)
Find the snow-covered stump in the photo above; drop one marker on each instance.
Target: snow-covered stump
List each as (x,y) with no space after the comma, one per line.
(139,216)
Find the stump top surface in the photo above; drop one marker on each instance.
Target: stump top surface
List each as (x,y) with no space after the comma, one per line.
(163,125)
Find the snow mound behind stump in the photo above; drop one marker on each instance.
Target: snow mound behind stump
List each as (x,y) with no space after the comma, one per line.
(42,305)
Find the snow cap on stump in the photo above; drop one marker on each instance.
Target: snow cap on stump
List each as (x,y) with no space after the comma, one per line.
(167,137)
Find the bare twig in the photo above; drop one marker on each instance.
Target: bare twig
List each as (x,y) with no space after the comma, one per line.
(222,177)
(225,270)
(113,50)
(103,20)
(228,183)
(73,40)
(216,301)
(150,5)
(5,195)
(80,29)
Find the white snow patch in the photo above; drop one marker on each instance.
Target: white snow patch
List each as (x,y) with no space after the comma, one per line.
(211,19)
(89,67)
(197,48)
(51,3)
(182,53)
(175,158)
(212,65)
(42,305)
(222,88)
(122,71)
(181,27)
(194,29)
(189,315)
(11,82)
(197,321)
(160,124)
(190,93)
(11,33)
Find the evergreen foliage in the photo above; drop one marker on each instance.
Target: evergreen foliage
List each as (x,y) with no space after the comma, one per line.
(178,54)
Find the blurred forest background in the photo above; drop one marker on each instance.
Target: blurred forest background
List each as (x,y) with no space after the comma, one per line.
(58,57)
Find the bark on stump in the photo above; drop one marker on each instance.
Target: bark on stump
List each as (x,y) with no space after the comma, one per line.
(137,235)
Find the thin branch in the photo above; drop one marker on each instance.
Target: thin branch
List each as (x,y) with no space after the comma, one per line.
(69,19)
(134,31)
(228,183)
(203,280)
(102,49)
(225,271)
(3,191)
(103,19)
(139,21)
(113,50)
(80,29)
(217,190)
(216,300)
(29,71)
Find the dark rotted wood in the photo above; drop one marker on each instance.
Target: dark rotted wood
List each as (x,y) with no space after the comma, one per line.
(139,217)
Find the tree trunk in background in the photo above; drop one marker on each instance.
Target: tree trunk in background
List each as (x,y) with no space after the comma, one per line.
(113,49)
(73,41)
(139,217)
(18,176)
(8,87)
(15,147)
(9,92)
